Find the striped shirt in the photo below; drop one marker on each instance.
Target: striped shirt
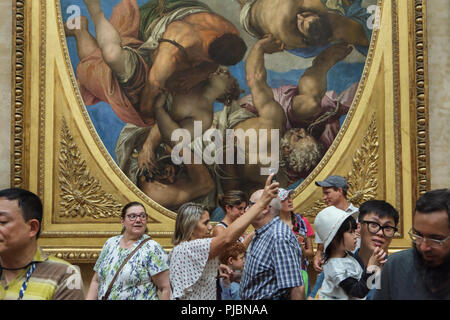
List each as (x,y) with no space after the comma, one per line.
(272,263)
(53,279)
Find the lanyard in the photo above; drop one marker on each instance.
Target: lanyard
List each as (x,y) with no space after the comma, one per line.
(25,283)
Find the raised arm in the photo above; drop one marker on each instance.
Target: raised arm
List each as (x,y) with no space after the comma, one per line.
(312,85)
(237,228)
(167,59)
(146,156)
(197,181)
(256,76)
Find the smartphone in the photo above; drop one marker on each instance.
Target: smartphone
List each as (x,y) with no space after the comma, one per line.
(274,171)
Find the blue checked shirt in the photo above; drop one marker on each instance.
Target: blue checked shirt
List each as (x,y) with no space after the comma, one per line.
(273,263)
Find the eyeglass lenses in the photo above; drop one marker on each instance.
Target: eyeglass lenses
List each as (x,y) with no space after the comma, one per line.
(133,217)
(418,240)
(387,231)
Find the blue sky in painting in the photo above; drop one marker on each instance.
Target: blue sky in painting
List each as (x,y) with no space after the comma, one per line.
(108,125)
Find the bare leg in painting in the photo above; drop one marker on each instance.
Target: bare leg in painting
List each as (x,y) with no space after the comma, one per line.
(108,39)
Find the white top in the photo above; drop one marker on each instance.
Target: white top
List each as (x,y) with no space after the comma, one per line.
(351,208)
(336,270)
(192,275)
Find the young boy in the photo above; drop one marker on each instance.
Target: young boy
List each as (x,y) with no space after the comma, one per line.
(233,257)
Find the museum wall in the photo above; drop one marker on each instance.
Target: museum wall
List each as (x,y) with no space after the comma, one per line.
(439,96)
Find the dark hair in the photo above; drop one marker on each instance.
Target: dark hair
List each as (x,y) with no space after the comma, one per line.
(232,198)
(344,190)
(124,212)
(227,50)
(349,224)
(435,200)
(380,208)
(129,205)
(319,31)
(28,202)
(232,251)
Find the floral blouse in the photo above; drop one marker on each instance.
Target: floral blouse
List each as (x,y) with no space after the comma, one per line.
(134,281)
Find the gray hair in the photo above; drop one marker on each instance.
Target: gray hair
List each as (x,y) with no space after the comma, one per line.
(188,216)
(275,207)
(301,161)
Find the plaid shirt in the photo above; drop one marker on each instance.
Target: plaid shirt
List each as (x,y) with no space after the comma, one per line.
(272,263)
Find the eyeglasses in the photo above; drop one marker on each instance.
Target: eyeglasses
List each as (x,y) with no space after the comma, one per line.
(132,217)
(431,242)
(374,227)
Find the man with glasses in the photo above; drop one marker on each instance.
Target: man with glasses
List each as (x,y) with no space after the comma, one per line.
(378,224)
(422,272)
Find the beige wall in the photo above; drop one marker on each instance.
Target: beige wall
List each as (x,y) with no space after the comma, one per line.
(439,97)
(439,91)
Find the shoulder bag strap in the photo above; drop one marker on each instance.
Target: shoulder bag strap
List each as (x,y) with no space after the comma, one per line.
(121,266)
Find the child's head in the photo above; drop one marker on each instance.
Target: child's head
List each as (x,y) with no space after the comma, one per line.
(345,237)
(234,256)
(335,228)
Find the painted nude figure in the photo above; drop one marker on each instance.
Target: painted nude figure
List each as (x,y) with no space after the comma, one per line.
(303,25)
(129,63)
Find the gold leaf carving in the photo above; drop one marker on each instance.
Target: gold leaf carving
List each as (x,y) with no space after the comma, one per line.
(81,194)
(318,206)
(362,179)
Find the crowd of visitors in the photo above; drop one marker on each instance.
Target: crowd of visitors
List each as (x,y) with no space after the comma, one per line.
(227,262)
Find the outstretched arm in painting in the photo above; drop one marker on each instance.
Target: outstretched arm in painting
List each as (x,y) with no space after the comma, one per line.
(196,183)
(256,76)
(146,157)
(313,83)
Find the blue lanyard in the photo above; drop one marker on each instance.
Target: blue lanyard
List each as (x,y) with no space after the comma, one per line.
(25,283)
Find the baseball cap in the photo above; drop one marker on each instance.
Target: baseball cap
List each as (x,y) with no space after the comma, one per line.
(333,181)
(283,193)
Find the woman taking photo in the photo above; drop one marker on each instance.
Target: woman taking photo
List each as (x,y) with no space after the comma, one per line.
(131,266)
(194,258)
(233,204)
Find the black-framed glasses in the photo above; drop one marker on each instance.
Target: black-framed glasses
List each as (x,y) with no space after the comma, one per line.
(142,216)
(431,242)
(374,227)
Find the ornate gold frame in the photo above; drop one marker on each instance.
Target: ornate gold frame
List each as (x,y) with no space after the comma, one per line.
(382,149)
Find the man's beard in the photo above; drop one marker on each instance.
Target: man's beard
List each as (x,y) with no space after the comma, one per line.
(435,278)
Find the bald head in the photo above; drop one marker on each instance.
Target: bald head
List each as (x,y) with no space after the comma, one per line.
(275,204)
(256,195)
